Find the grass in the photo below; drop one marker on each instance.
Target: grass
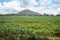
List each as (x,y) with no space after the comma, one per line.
(29,26)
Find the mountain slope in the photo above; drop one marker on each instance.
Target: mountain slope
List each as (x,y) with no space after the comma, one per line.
(27,12)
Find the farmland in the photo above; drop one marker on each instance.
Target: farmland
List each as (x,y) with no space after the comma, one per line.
(29,27)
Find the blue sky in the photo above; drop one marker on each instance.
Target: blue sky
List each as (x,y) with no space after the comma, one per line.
(41,6)
(5,1)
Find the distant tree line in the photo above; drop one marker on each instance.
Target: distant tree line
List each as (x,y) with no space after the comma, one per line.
(29,15)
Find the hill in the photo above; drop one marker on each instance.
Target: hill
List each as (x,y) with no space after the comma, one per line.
(27,13)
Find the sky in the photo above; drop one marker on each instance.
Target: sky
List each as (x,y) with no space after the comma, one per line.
(40,6)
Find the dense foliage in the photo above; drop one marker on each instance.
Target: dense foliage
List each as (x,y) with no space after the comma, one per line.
(29,27)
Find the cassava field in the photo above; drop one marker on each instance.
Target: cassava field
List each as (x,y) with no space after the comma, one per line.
(29,27)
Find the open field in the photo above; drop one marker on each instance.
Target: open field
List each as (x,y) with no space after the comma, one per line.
(29,27)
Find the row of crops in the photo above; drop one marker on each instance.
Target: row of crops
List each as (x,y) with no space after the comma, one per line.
(29,27)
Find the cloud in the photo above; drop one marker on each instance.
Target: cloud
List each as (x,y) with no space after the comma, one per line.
(45,2)
(27,3)
(40,6)
(9,7)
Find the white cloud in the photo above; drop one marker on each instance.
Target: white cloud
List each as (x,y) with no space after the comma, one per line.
(13,5)
(33,2)
(29,4)
(0,4)
(45,2)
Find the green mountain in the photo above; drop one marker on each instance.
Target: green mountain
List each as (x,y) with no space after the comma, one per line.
(27,13)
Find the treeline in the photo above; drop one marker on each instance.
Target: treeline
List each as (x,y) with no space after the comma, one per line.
(29,15)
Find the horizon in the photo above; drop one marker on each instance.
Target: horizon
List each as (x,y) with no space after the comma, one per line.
(40,6)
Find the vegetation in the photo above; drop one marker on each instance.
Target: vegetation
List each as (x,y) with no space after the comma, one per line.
(29,27)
